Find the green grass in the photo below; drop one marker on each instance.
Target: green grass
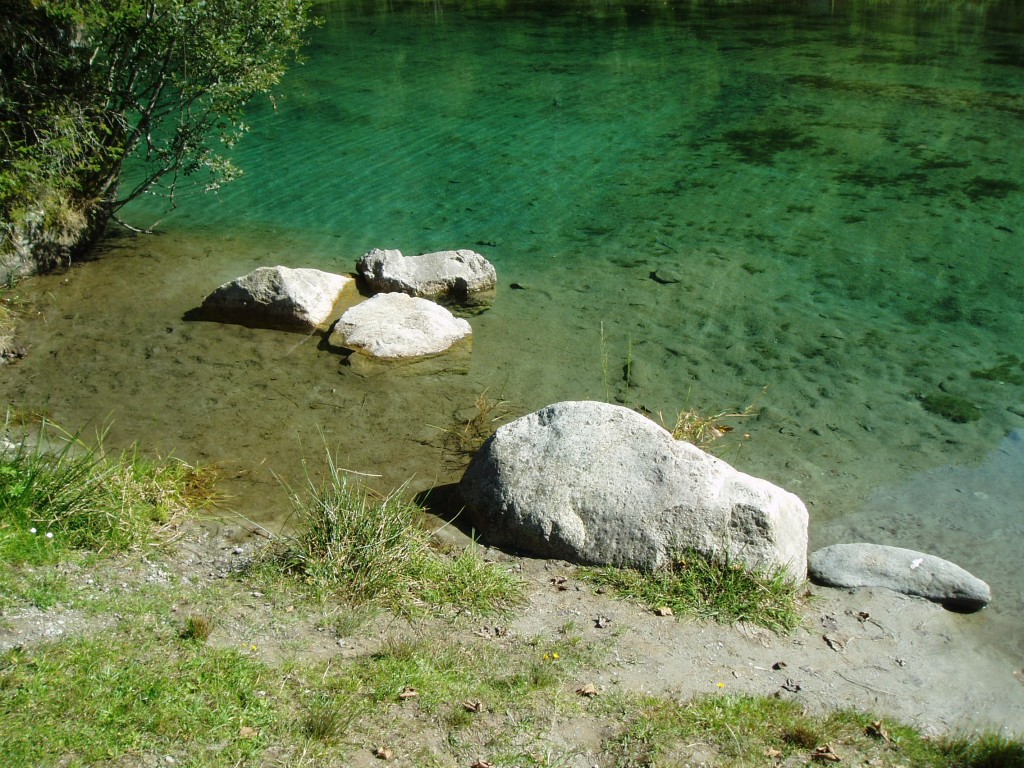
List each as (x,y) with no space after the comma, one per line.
(77,497)
(696,586)
(93,698)
(357,546)
(138,679)
(75,503)
(143,686)
(753,731)
(445,671)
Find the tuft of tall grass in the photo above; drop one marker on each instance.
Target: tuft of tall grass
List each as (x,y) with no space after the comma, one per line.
(361,546)
(698,586)
(197,628)
(330,716)
(987,750)
(77,497)
(352,541)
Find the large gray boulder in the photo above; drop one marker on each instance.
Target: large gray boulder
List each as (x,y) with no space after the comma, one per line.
(452,276)
(277,296)
(601,484)
(394,326)
(902,570)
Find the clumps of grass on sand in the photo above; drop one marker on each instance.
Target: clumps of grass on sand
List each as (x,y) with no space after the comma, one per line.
(753,731)
(359,546)
(693,585)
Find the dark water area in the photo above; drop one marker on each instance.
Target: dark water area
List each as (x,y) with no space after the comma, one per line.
(815,207)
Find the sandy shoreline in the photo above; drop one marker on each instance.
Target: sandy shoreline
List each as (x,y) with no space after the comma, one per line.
(873,650)
(900,658)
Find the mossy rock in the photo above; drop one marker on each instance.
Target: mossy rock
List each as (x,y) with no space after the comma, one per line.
(952,407)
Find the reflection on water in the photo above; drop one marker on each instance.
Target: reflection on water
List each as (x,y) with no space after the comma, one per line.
(819,198)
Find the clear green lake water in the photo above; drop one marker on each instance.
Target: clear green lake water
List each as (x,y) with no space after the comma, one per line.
(816,207)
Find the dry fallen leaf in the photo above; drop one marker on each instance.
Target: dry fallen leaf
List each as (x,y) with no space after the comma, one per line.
(587,690)
(825,754)
(383,753)
(601,622)
(473,705)
(245,732)
(774,754)
(481,764)
(836,642)
(560,582)
(877,731)
(408,693)
(791,685)
(663,611)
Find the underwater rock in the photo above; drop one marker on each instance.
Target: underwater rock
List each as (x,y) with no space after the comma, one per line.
(459,277)
(665,277)
(601,484)
(395,326)
(901,570)
(277,297)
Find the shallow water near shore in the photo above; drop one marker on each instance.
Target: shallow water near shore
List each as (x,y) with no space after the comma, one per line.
(816,210)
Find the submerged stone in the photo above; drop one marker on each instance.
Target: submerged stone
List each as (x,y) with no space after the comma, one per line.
(277,297)
(901,570)
(395,326)
(461,277)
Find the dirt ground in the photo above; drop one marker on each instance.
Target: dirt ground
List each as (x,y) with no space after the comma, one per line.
(898,657)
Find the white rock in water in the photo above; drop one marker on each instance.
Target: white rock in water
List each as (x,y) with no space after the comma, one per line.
(601,484)
(448,275)
(278,296)
(395,326)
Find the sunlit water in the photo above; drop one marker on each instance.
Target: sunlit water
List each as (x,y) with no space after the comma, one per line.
(812,207)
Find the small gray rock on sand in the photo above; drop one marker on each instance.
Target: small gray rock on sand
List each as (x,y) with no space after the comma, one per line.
(901,570)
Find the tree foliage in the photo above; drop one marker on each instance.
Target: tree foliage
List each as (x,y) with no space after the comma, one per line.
(87,84)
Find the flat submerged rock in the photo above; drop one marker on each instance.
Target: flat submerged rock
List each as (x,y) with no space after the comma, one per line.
(850,566)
